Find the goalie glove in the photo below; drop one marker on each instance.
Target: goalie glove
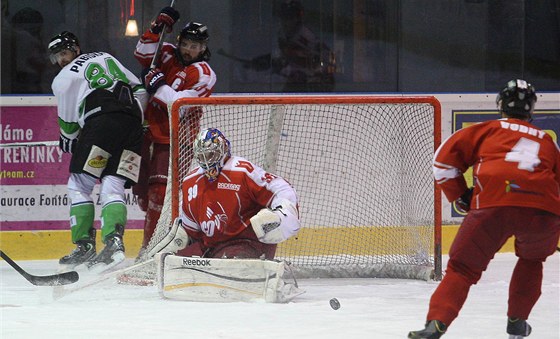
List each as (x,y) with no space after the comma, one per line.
(273,226)
(463,203)
(175,240)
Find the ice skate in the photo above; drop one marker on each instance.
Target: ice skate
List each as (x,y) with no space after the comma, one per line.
(434,329)
(111,255)
(518,328)
(84,252)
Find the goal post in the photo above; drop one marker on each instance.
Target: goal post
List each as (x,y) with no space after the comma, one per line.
(361,165)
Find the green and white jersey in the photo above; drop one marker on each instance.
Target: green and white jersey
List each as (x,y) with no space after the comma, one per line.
(85,74)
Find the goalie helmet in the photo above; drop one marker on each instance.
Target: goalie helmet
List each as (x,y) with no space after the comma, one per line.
(211,151)
(62,41)
(517,99)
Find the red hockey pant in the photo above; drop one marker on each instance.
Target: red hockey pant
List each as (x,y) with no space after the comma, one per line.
(482,233)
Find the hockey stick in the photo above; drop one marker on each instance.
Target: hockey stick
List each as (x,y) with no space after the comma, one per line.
(46,280)
(221,51)
(160,43)
(30,143)
(59,293)
(245,62)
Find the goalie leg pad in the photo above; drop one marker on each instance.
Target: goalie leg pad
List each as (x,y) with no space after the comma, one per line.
(223,280)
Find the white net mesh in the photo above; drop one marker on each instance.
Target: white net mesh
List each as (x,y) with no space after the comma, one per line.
(361,167)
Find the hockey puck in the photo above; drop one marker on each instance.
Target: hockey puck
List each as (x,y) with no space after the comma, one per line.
(334,303)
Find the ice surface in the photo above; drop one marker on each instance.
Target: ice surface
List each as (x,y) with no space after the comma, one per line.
(370,308)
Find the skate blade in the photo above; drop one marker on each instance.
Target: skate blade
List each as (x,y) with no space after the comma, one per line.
(66,268)
(103,267)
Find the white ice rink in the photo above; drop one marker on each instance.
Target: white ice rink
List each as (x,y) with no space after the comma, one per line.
(370,308)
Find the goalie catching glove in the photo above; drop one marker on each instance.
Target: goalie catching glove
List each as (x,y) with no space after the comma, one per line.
(275,225)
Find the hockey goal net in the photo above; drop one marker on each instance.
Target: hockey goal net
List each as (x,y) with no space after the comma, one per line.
(361,166)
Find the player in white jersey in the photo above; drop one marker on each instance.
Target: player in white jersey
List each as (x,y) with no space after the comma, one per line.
(100,105)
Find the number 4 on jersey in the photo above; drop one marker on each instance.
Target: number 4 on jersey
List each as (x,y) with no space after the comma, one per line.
(526,153)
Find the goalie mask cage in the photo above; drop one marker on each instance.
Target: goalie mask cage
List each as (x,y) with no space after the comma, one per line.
(361,165)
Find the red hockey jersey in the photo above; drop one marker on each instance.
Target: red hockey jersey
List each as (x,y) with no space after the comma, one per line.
(195,80)
(514,164)
(213,212)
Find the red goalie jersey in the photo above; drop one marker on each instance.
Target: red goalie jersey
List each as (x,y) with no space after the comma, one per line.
(217,211)
(194,80)
(514,164)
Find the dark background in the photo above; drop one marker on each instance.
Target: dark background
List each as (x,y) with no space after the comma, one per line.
(378,45)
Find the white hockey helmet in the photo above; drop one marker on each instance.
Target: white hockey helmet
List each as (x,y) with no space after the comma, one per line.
(211,151)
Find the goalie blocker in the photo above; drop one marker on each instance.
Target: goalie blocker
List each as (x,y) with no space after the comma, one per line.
(223,280)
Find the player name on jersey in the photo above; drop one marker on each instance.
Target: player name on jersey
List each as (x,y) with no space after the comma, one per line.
(523,129)
(79,62)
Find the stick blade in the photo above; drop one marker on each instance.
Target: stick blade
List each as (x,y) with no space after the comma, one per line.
(60,279)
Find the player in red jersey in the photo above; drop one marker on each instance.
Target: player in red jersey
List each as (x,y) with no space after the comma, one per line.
(516,192)
(232,207)
(182,71)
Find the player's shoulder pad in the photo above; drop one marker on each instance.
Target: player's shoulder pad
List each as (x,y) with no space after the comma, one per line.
(240,164)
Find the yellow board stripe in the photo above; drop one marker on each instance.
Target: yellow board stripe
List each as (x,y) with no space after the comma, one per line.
(43,245)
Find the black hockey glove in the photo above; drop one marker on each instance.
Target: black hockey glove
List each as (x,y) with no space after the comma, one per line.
(463,203)
(67,145)
(153,79)
(167,17)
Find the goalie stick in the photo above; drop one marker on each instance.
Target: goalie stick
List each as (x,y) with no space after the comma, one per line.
(46,280)
(160,43)
(61,292)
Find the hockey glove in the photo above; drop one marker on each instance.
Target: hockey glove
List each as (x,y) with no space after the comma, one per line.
(463,203)
(66,144)
(266,225)
(275,225)
(167,17)
(153,79)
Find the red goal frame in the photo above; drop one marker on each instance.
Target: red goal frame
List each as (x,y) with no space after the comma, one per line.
(319,99)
